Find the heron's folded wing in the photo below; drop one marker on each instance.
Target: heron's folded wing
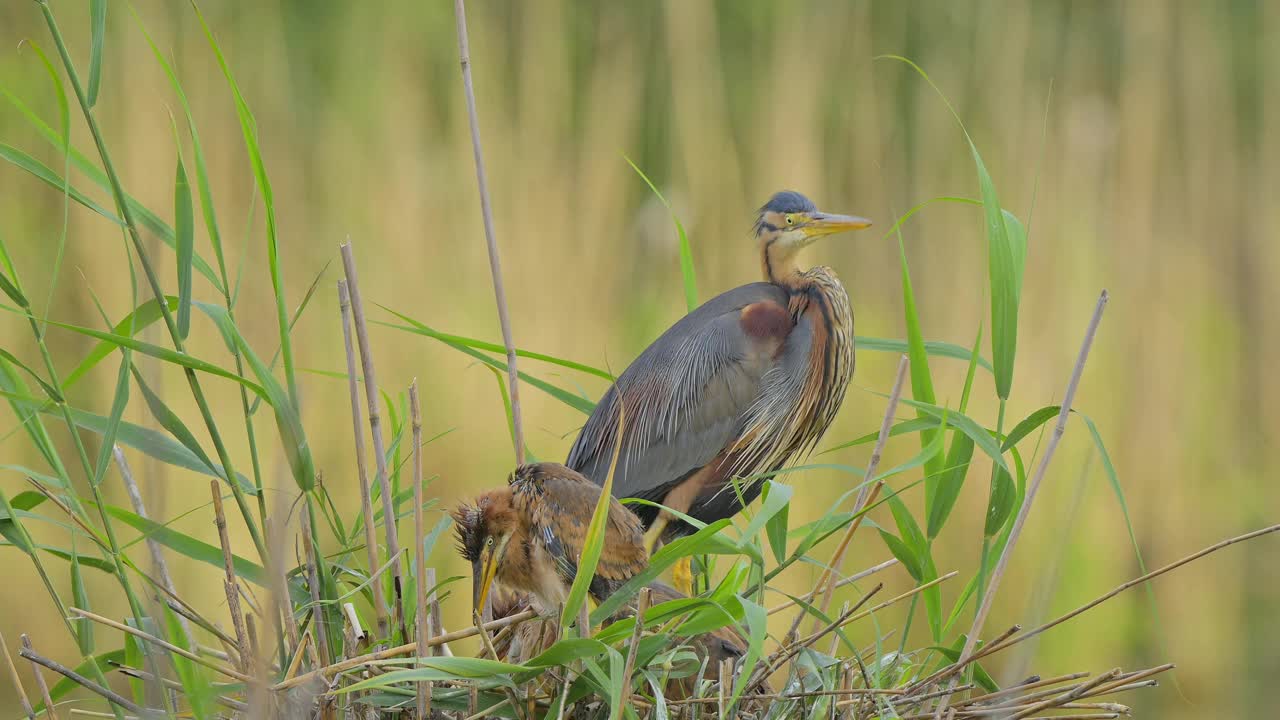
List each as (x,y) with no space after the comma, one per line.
(560,520)
(686,394)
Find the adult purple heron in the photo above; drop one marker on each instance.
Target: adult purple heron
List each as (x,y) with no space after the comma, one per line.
(737,388)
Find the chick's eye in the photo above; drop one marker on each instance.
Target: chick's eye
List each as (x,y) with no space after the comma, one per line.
(791,219)
(489,542)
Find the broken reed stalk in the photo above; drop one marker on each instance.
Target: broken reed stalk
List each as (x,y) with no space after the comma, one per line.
(229,672)
(1004,694)
(436,626)
(421,628)
(400,650)
(865,494)
(80,680)
(1066,697)
(989,593)
(233,590)
(375,427)
(362,469)
(17,681)
(486,210)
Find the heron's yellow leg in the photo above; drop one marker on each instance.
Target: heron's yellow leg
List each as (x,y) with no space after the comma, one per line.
(654,539)
(682,575)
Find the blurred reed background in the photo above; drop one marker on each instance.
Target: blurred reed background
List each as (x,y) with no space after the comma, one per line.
(1157,180)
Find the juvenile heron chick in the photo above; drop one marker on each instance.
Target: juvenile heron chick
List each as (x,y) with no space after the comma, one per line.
(529,535)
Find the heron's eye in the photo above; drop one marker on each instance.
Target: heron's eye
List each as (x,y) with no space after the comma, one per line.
(489,541)
(791,219)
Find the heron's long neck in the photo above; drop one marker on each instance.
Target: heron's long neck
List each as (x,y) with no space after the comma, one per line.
(779,266)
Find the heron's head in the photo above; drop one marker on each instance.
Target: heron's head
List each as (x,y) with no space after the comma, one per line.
(484,531)
(790,221)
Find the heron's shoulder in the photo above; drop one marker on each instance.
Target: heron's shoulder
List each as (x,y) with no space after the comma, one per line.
(726,305)
(737,298)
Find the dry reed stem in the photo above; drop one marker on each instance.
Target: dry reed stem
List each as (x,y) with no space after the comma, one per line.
(399,650)
(797,696)
(994,648)
(642,606)
(353,621)
(49,712)
(865,494)
(313,585)
(1126,679)
(422,628)
(362,469)
(17,682)
(486,210)
(175,685)
(979,699)
(1033,486)
(233,591)
(80,680)
(375,427)
(791,646)
(298,653)
(904,596)
(726,675)
(435,623)
(1068,696)
(846,581)
(229,672)
(153,545)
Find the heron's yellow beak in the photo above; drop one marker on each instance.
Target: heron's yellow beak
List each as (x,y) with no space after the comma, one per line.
(821,223)
(483,571)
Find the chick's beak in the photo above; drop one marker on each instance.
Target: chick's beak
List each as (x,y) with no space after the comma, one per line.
(821,223)
(482,574)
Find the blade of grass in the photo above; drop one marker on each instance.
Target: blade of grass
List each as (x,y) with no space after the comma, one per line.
(941,496)
(921,378)
(1006,255)
(249,128)
(148,219)
(564,396)
(687,274)
(932,348)
(171,422)
(64,147)
(126,212)
(593,543)
(184,236)
(98,32)
(421,329)
(143,316)
(292,435)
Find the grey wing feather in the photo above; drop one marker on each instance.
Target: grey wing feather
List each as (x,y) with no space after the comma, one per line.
(781,397)
(686,396)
